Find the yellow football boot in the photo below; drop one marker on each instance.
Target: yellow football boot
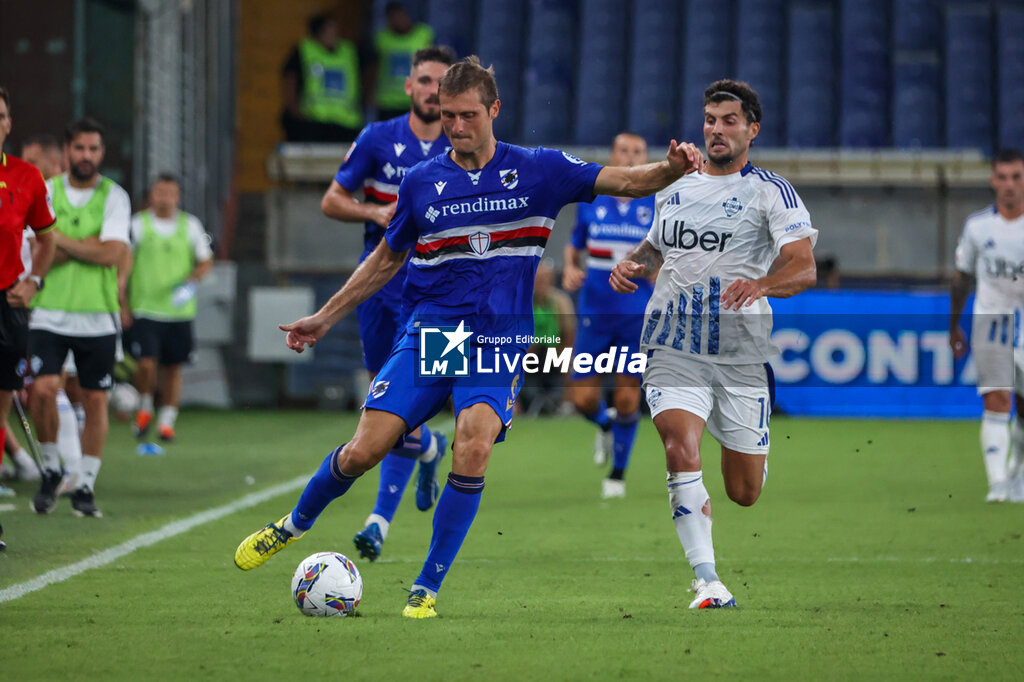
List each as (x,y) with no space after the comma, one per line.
(263,544)
(420,605)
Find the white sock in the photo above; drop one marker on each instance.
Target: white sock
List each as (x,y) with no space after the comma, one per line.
(995,440)
(24,460)
(146,403)
(290,527)
(90,469)
(168,415)
(51,456)
(429,591)
(431,452)
(1016,461)
(79,409)
(380,521)
(69,444)
(691,513)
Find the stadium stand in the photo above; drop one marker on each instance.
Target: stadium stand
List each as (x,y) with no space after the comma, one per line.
(969,111)
(916,24)
(602,75)
(761,31)
(706,58)
(452,21)
(548,86)
(1011,76)
(504,49)
(915,99)
(864,80)
(654,69)
(810,101)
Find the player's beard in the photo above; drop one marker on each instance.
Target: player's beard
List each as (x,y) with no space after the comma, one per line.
(83,171)
(422,115)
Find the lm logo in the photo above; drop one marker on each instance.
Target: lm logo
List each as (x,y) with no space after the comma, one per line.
(444,351)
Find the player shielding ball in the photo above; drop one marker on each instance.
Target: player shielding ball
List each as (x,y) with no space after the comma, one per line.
(991,254)
(478,219)
(708,323)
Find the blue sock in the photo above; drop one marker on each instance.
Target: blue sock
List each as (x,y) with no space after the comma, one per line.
(454,515)
(395,471)
(624,430)
(599,416)
(327,484)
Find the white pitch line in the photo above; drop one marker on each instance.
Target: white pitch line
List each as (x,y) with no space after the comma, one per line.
(146,539)
(168,531)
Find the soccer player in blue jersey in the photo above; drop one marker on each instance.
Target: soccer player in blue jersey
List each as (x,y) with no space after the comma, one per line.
(476,219)
(707,328)
(377,161)
(606,231)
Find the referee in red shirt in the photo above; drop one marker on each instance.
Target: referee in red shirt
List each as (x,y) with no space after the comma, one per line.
(23,201)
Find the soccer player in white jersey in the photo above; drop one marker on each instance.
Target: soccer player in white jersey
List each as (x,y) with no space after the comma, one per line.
(991,253)
(707,325)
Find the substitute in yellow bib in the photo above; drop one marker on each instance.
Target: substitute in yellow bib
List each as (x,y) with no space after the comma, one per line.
(172,253)
(394,46)
(77,311)
(321,84)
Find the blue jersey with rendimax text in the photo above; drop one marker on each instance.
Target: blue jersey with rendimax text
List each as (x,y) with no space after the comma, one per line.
(608,229)
(376,163)
(476,237)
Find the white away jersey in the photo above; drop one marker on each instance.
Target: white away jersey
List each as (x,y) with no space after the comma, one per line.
(992,249)
(712,230)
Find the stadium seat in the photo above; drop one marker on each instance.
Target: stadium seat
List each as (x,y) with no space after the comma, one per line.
(761,25)
(547,88)
(916,103)
(453,24)
(864,84)
(1011,77)
(654,63)
(706,58)
(505,50)
(810,99)
(970,121)
(916,24)
(602,74)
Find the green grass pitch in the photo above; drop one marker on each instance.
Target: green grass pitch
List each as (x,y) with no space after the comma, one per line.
(871,555)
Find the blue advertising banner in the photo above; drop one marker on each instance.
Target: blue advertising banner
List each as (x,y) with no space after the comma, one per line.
(873,354)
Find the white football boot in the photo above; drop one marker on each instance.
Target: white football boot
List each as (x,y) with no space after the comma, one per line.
(711,595)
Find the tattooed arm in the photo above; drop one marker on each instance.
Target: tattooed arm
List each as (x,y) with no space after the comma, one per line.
(643,261)
(963,283)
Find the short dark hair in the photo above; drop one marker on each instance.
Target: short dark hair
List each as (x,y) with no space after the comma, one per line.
(467,74)
(394,7)
(1007,155)
(167,176)
(727,89)
(442,54)
(44,140)
(6,97)
(317,23)
(83,125)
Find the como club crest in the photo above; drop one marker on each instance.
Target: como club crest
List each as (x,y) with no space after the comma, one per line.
(479,242)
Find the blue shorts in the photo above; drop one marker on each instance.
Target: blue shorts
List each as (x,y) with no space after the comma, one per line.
(380,320)
(398,390)
(595,334)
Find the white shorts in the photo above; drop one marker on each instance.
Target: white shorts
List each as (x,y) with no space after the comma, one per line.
(998,364)
(735,401)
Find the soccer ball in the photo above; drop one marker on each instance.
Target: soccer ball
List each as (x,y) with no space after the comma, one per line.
(124,400)
(327,584)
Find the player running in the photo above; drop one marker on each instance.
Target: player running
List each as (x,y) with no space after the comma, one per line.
(378,160)
(991,252)
(606,230)
(707,326)
(477,219)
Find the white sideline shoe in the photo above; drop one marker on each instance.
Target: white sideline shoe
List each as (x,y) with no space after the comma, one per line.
(612,488)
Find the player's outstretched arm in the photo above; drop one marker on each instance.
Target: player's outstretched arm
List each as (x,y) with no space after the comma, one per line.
(338,203)
(643,261)
(371,275)
(959,290)
(794,273)
(642,181)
